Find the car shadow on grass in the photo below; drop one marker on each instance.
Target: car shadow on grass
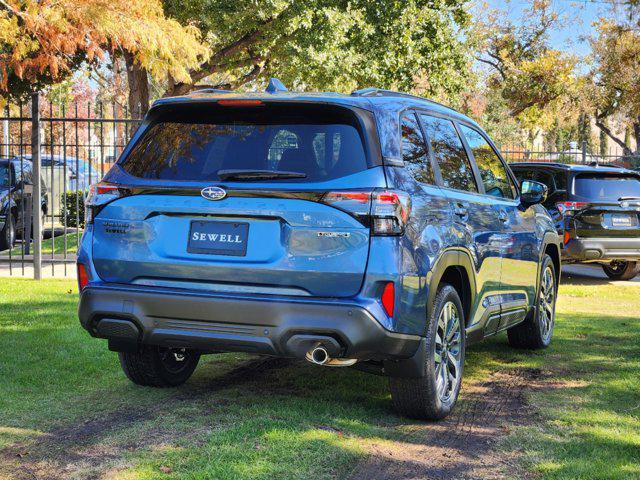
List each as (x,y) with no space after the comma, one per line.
(72,413)
(243,411)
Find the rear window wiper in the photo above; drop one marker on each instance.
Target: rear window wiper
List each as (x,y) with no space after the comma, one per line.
(622,199)
(248,175)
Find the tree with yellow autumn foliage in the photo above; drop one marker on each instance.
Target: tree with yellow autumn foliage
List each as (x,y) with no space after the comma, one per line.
(43,41)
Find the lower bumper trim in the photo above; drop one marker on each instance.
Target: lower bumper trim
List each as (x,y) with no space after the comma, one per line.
(597,249)
(259,325)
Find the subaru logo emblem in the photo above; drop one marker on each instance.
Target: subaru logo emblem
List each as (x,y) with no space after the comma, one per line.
(213,193)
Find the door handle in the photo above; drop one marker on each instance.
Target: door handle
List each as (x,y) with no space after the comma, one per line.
(502,215)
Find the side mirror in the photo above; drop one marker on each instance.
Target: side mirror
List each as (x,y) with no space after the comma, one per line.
(532,192)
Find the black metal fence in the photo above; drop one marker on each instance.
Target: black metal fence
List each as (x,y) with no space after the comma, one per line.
(573,153)
(72,146)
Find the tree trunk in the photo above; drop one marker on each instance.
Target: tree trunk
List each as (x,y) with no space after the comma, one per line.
(138,81)
(626,148)
(636,133)
(120,93)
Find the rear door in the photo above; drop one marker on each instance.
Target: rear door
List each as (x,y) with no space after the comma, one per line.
(608,204)
(208,211)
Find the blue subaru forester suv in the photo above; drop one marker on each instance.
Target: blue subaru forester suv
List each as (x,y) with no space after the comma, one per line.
(376,230)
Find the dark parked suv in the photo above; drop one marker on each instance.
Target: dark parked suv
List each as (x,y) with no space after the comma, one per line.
(596,210)
(16,184)
(376,230)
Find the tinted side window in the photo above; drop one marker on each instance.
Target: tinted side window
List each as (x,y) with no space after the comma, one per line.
(554,180)
(414,151)
(449,152)
(27,172)
(493,172)
(536,175)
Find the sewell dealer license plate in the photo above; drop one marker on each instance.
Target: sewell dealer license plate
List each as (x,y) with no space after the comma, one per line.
(220,238)
(621,221)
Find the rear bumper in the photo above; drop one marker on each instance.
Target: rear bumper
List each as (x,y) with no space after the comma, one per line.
(257,324)
(596,249)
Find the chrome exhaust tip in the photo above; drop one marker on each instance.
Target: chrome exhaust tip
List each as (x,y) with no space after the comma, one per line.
(319,356)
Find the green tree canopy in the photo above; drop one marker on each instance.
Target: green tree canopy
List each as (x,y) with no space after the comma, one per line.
(329,44)
(616,79)
(533,79)
(43,41)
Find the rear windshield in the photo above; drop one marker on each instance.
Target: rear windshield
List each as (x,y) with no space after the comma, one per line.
(177,149)
(608,188)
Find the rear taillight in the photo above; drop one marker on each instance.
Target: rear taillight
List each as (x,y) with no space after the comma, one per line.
(388,298)
(83,277)
(566,237)
(386,212)
(99,195)
(390,212)
(570,207)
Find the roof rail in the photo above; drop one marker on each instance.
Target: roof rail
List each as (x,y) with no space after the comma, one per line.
(381,92)
(276,86)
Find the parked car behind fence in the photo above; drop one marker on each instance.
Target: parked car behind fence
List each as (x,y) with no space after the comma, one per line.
(65,175)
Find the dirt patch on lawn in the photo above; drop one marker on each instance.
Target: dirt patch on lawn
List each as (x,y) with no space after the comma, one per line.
(463,446)
(460,447)
(77,450)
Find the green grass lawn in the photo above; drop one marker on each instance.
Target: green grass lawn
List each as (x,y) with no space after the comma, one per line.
(241,417)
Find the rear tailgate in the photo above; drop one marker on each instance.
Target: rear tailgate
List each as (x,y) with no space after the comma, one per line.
(607,220)
(185,224)
(293,246)
(612,205)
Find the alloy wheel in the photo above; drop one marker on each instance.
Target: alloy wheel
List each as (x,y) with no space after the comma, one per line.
(616,267)
(547,302)
(448,352)
(174,359)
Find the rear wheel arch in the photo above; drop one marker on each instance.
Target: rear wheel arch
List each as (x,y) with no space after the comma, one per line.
(454,267)
(552,248)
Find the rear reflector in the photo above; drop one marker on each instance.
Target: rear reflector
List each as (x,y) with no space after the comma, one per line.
(240,103)
(388,298)
(566,237)
(83,277)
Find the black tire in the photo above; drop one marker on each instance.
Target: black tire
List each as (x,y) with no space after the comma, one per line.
(426,398)
(8,234)
(621,270)
(536,330)
(159,366)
